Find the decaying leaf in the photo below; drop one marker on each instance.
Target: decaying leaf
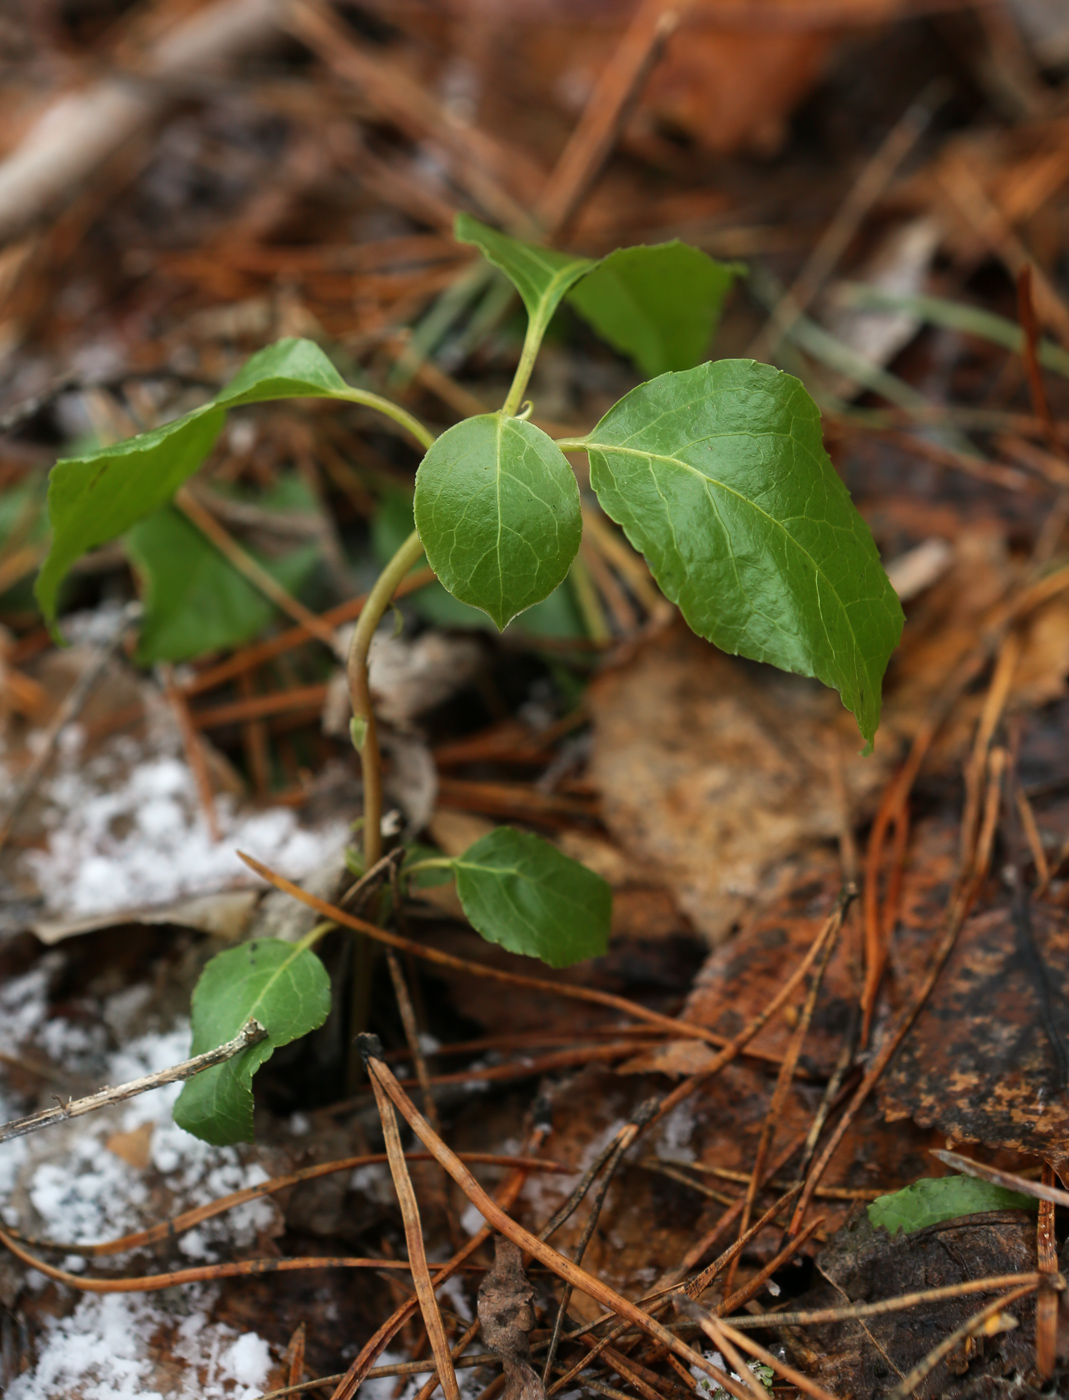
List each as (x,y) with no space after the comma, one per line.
(506,1318)
(864,1265)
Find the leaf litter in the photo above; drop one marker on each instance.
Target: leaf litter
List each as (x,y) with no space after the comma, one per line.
(725,807)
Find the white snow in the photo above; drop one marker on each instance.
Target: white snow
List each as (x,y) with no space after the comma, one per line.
(127,831)
(107,1349)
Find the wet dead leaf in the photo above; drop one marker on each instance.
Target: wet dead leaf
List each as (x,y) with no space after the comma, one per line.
(863,1265)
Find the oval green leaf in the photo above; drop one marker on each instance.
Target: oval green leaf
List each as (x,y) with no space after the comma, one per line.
(541,275)
(281,985)
(718,475)
(933,1199)
(658,305)
(519,891)
(497,510)
(289,369)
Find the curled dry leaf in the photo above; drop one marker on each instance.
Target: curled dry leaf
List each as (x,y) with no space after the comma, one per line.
(506,1317)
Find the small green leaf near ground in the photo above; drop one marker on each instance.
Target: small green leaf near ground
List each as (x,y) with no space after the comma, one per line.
(281,985)
(933,1199)
(718,475)
(497,509)
(521,892)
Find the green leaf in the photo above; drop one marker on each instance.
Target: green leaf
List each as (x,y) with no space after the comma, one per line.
(658,305)
(393,522)
(933,1199)
(497,509)
(541,275)
(281,985)
(289,369)
(521,892)
(195,600)
(101,493)
(718,475)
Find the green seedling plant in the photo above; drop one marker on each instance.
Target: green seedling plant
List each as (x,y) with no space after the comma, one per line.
(716,473)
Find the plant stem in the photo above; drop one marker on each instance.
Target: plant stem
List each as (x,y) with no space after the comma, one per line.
(579,444)
(423,435)
(312,937)
(532,342)
(378,600)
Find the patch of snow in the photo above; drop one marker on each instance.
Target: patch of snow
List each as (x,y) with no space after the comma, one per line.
(126,831)
(108,1349)
(472,1219)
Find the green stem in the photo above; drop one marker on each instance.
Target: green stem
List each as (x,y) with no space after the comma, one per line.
(374,609)
(391,410)
(312,937)
(572,444)
(431,863)
(532,342)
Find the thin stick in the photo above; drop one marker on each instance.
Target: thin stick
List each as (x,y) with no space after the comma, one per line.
(358,1370)
(194,752)
(981,1321)
(568,990)
(901,1303)
(1047,1301)
(714,1330)
(248,658)
(593,135)
(784,1080)
(68,712)
(252,1034)
(833,242)
(421,1275)
(735,1046)
(961,901)
(1026,314)
(544,1253)
(199,515)
(724,1336)
(623,1142)
(179,1224)
(408,1020)
(1045,1191)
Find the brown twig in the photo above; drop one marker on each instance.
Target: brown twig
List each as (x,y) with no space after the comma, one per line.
(1045,1191)
(199,515)
(1026,314)
(252,1034)
(593,135)
(1047,1301)
(633,1009)
(421,1275)
(546,1254)
(724,1335)
(784,1080)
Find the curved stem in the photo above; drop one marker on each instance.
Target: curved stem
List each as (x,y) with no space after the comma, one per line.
(391,410)
(312,937)
(579,444)
(532,342)
(365,735)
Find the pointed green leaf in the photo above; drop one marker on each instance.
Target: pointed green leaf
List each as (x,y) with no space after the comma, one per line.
(540,275)
(497,510)
(659,305)
(195,601)
(100,494)
(281,985)
(289,369)
(933,1199)
(521,892)
(718,475)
